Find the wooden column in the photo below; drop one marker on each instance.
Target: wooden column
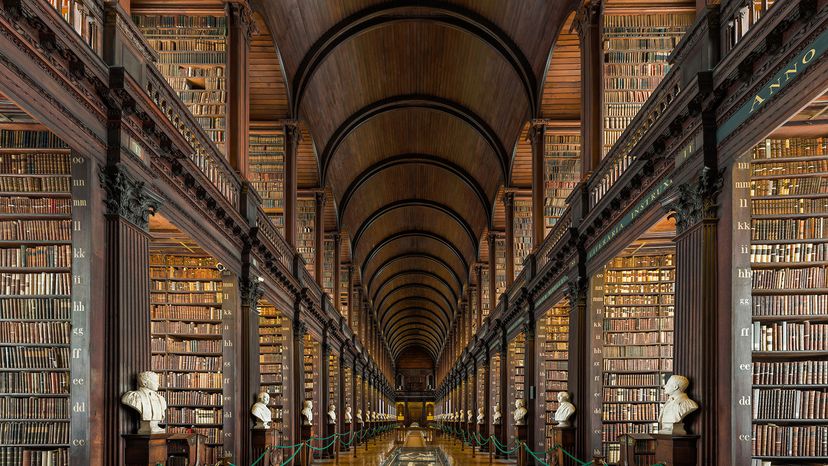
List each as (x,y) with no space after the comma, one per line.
(529,381)
(478,271)
(508,206)
(588,23)
(487,389)
(292,135)
(247,358)
(697,314)
(299,331)
(492,269)
(537,135)
(504,382)
(324,374)
(337,271)
(351,320)
(319,240)
(578,355)
(126,336)
(240,29)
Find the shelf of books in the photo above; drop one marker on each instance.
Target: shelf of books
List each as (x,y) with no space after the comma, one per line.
(333,383)
(186,330)
(306,227)
(636,50)
(328,268)
(348,389)
(36,317)
(267,172)
(517,376)
(485,291)
(500,265)
(638,297)
(310,374)
(192,54)
(344,291)
(552,360)
(522,231)
(561,172)
(274,362)
(494,390)
(359,390)
(481,392)
(473,308)
(789,260)
(79,16)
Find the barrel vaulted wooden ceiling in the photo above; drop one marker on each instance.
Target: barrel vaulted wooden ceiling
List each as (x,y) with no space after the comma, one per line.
(415,109)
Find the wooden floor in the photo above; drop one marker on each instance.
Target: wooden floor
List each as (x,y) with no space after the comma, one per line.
(378,450)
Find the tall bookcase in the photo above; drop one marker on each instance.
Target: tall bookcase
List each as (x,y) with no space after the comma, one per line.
(638,291)
(348,388)
(358,388)
(522,230)
(274,362)
(333,385)
(494,390)
(500,265)
(789,260)
(267,172)
(552,360)
(561,172)
(306,226)
(636,50)
(192,55)
(344,291)
(310,373)
(517,377)
(186,327)
(36,316)
(328,269)
(485,291)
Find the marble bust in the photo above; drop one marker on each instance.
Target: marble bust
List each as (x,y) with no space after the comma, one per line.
(261,413)
(359,416)
(565,410)
(480,416)
(151,406)
(469,416)
(307,413)
(332,414)
(677,407)
(496,416)
(520,413)
(348,417)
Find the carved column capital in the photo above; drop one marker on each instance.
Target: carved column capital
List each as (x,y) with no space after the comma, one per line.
(127,197)
(251,292)
(508,199)
(492,237)
(587,15)
(576,291)
(292,130)
(300,329)
(321,197)
(241,16)
(537,130)
(697,201)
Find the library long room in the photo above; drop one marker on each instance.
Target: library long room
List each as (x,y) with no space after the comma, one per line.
(398,233)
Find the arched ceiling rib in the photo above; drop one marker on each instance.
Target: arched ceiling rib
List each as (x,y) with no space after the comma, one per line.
(415,107)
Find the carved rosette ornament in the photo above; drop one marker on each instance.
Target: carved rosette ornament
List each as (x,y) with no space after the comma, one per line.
(697,201)
(127,197)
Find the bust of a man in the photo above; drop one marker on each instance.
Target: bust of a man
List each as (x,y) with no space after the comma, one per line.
(565,410)
(520,413)
(348,417)
(359,416)
(677,407)
(307,413)
(151,406)
(332,414)
(261,412)
(481,418)
(496,416)
(469,416)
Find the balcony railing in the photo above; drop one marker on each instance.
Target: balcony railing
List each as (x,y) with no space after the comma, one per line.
(269,231)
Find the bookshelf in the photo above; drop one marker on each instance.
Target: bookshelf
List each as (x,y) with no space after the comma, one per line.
(333,385)
(186,330)
(78,14)
(358,389)
(517,377)
(328,268)
(481,393)
(267,172)
(552,359)
(310,375)
(494,391)
(305,236)
(474,309)
(637,354)
(36,318)
(561,172)
(500,265)
(344,291)
(522,231)
(636,50)
(788,244)
(274,331)
(485,291)
(348,389)
(192,54)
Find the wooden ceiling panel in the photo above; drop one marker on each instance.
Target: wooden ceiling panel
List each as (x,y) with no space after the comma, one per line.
(421,263)
(522,161)
(268,93)
(561,98)
(307,169)
(413,246)
(412,279)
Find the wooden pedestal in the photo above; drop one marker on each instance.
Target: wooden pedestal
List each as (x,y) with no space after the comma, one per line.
(262,439)
(676,450)
(306,456)
(520,438)
(347,436)
(149,450)
(499,432)
(565,437)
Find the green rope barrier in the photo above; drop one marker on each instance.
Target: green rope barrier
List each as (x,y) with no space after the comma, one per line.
(323,438)
(260,457)
(535,455)
(293,455)
(572,457)
(321,448)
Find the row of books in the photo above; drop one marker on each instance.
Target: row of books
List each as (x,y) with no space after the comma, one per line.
(786,228)
(788,148)
(631,351)
(28,432)
(30,139)
(639,275)
(641,311)
(793,441)
(612,431)
(788,206)
(791,305)
(790,336)
(639,324)
(629,411)
(195,380)
(16,456)
(34,163)
(51,184)
(176,312)
(202,44)
(177,362)
(35,308)
(788,279)
(185,327)
(777,403)
(644,288)
(39,382)
(638,300)
(56,255)
(35,332)
(35,205)
(637,262)
(798,167)
(185,346)
(28,284)
(34,408)
(625,338)
(634,394)
(186,286)
(805,372)
(183,24)
(797,252)
(640,365)
(31,230)
(789,186)
(187,298)
(24,357)
(194,397)
(182,261)
(194,416)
